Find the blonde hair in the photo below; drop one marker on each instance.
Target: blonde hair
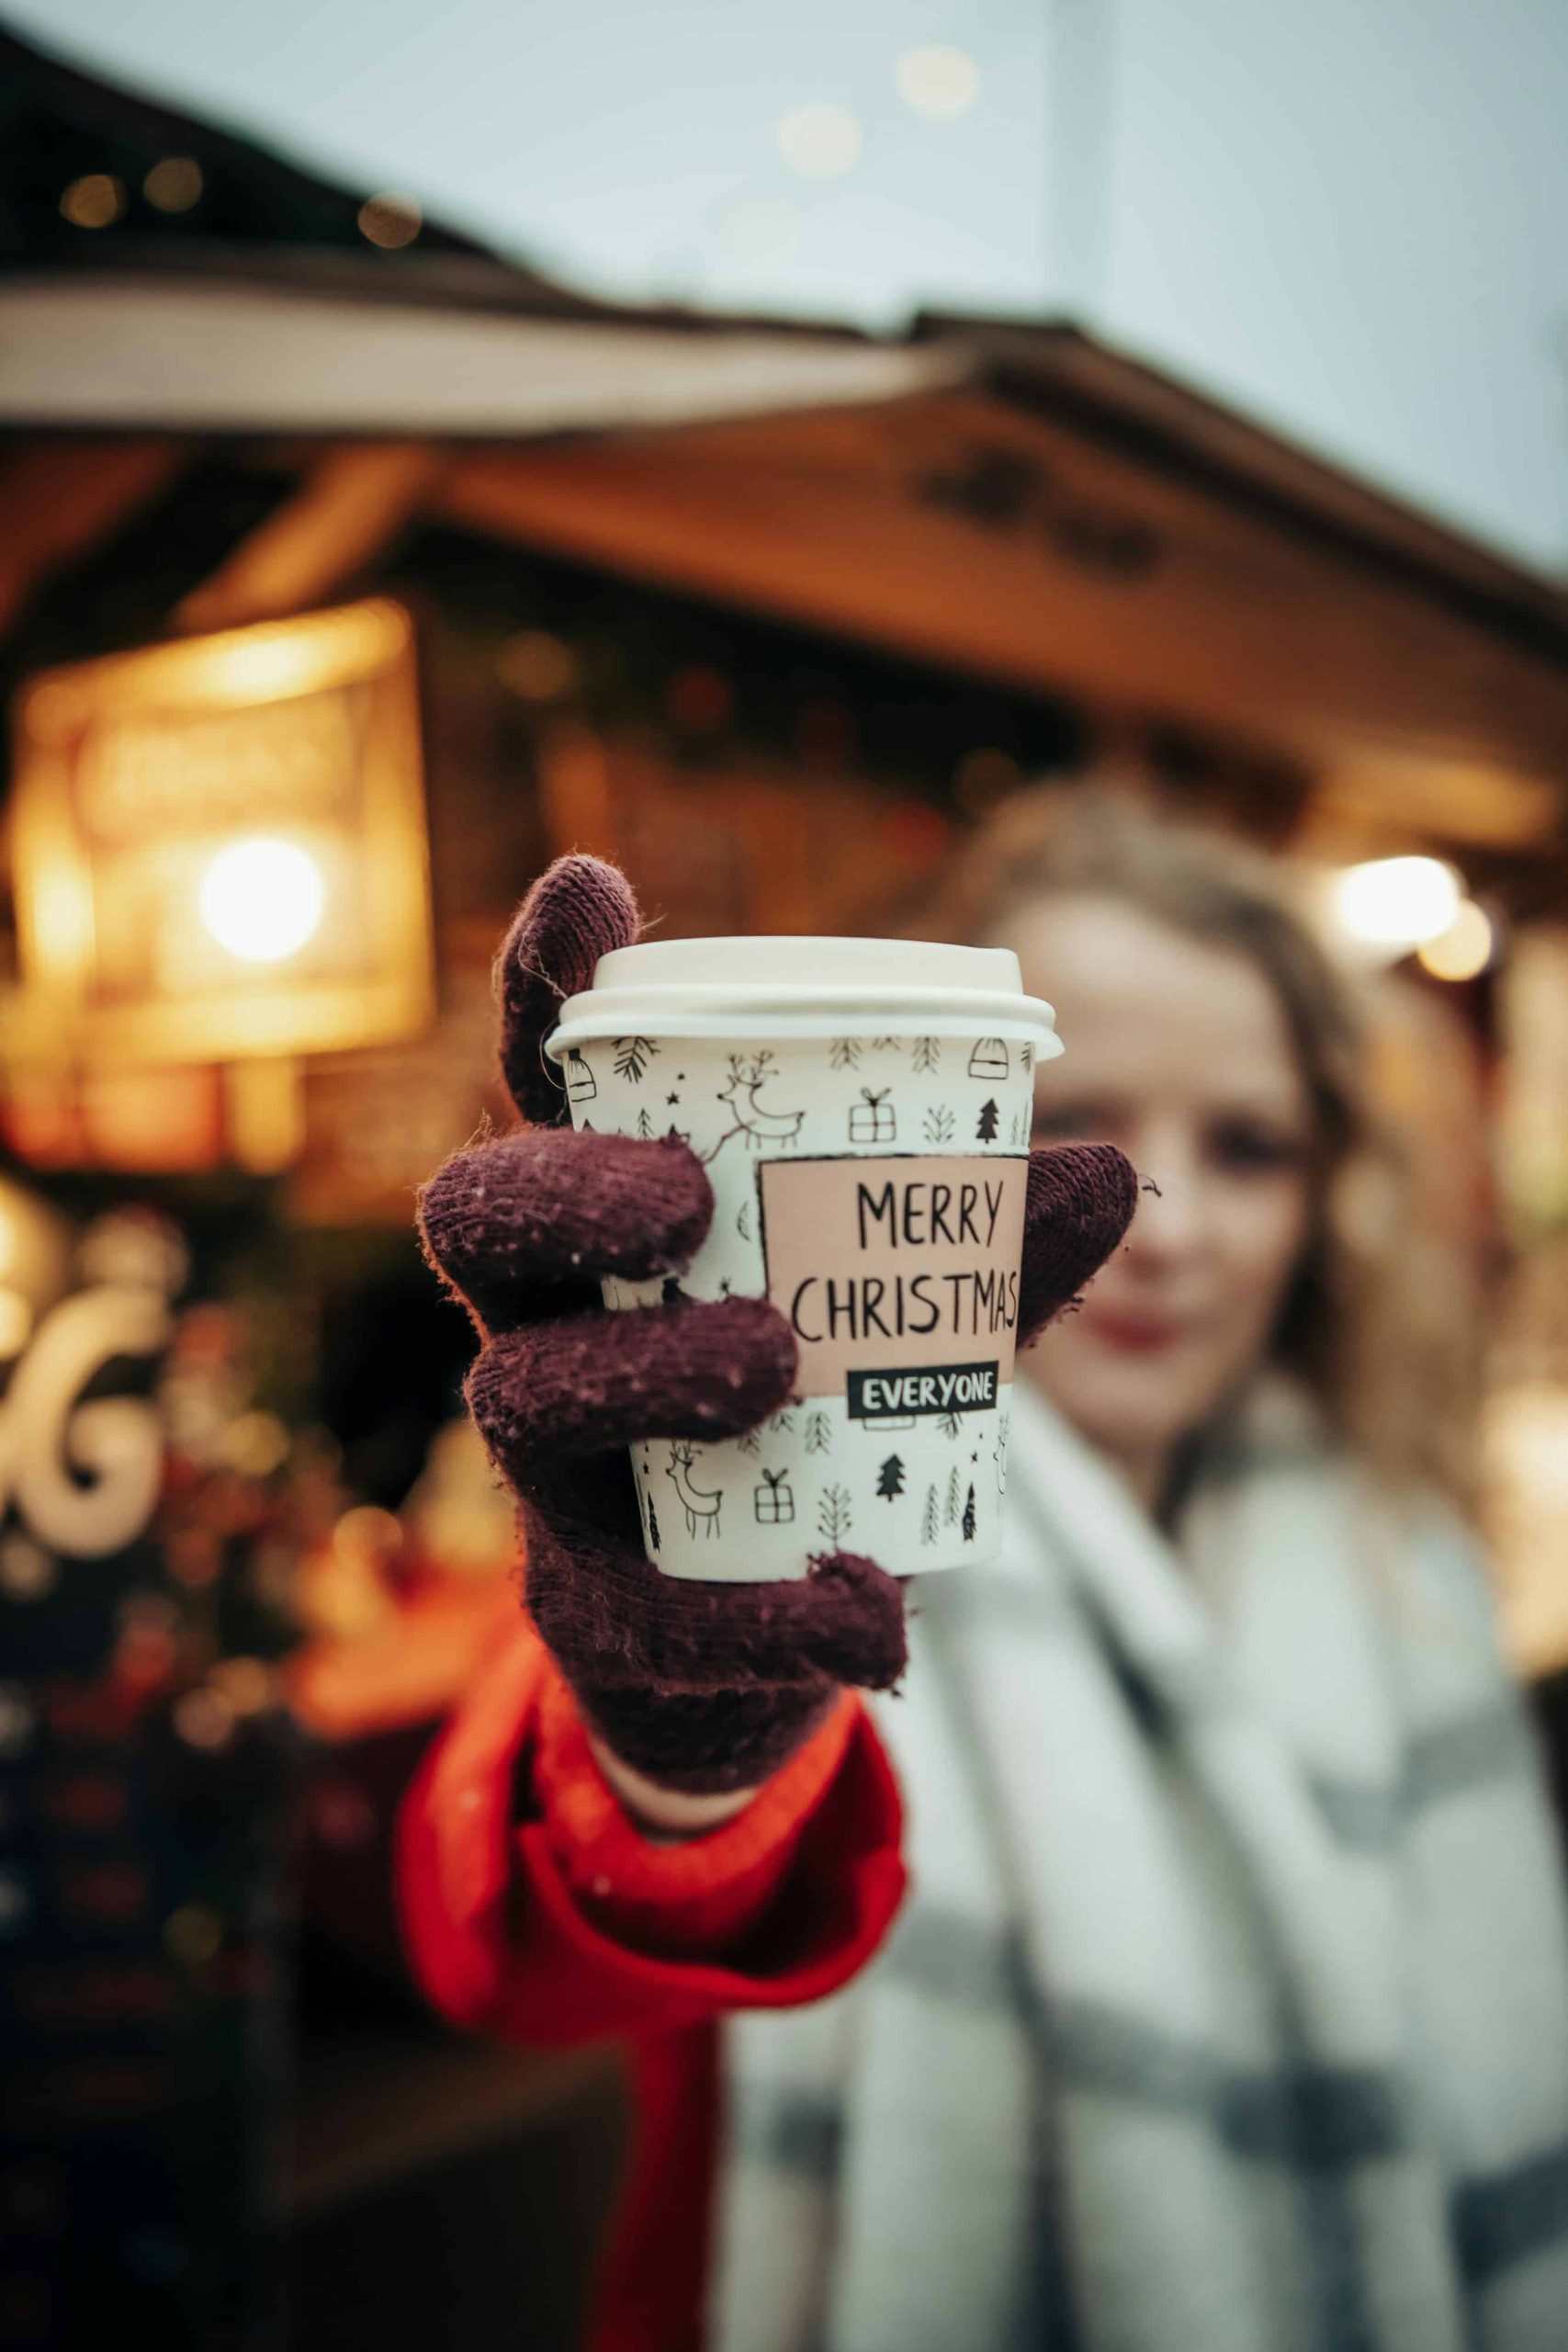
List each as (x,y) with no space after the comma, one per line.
(1373,1327)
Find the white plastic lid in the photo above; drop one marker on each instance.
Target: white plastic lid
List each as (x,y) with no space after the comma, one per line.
(770,986)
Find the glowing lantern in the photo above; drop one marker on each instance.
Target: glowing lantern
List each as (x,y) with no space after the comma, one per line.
(262,899)
(221,845)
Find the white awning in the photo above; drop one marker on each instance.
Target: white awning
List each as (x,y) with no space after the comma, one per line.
(119,353)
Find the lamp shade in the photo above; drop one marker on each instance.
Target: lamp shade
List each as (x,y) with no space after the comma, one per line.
(221,845)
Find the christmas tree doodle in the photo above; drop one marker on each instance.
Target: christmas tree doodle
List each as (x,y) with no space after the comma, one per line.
(890,1478)
(833,1518)
(969,1517)
(844,1053)
(939,1124)
(645,1124)
(987,1130)
(931,1518)
(818,1434)
(954,1495)
(925,1054)
(652,1526)
(632,1056)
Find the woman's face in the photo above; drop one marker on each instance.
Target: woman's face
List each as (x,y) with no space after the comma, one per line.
(1179,1052)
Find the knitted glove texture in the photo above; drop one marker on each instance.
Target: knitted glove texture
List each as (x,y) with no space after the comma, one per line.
(700,1686)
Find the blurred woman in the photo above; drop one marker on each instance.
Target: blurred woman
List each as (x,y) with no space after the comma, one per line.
(1227,2009)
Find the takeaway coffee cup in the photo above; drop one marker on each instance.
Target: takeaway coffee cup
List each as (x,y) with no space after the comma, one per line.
(862,1109)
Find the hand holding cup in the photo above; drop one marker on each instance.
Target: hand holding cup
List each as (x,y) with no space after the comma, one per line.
(695,1686)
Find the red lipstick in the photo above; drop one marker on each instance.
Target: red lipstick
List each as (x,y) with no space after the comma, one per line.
(1131,1332)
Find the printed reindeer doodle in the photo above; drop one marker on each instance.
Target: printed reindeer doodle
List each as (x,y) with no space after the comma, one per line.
(701,1503)
(755,1121)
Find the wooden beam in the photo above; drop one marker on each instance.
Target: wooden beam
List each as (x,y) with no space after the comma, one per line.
(59,499)
(352,501)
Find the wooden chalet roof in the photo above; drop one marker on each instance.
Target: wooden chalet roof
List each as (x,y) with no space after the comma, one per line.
(1014,500)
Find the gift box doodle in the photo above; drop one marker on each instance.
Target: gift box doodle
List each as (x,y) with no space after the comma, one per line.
(774,1501)
(872,1119)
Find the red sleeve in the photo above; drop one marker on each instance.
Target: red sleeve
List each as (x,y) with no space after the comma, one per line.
(533,1908)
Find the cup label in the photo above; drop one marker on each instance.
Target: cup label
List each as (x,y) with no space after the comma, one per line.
(877,1263)
(935,1388)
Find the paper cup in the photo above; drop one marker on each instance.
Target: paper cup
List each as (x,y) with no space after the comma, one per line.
(862,1109)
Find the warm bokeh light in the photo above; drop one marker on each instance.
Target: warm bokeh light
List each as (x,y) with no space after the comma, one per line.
(94,201)
(203,1717)
(193,1934)
(1396,903)
(175,185)
(247,1684)
(367,1535)
(539,667)
(27,1571)
(256,1445)
(389,220)
(821,142)
(1465,949)
(262,899)
(937,80)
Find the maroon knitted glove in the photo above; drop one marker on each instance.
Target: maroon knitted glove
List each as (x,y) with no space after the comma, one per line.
(699,1687)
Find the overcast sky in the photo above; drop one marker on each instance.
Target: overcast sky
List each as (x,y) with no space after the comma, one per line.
(1347,216)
